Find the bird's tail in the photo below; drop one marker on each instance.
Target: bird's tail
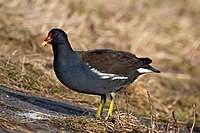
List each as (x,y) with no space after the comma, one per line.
(145,67)
(152,69)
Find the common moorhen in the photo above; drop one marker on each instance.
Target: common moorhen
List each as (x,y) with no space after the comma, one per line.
(99,72)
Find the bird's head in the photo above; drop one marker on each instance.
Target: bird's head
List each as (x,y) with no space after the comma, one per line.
(55,37)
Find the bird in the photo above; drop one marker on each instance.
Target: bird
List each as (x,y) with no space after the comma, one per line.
(98,72)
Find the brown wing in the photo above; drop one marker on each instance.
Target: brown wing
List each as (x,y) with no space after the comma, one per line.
(109,61)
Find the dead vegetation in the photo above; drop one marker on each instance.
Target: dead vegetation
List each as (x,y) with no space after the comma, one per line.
(166,31)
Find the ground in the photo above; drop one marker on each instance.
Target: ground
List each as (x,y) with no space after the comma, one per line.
(166,31)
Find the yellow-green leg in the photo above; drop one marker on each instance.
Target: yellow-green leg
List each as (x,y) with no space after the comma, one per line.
(101,105)
(113,96)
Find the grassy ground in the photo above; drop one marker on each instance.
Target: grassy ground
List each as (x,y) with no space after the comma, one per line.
(167,31)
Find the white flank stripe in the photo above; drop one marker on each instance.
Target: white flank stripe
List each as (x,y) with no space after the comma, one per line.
(143,70)
(119,77)
(104,75)
(108,75)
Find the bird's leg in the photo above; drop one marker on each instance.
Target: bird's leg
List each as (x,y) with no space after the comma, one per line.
(113,96)
(100,108)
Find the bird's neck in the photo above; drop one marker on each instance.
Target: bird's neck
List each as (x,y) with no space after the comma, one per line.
(62,49)
(64,55)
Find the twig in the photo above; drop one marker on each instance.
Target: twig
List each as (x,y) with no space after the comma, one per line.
(22,67)
(151,112)
(127,107)
(117,108)
(194,118)
(167,127)
(175,122)
(118,114)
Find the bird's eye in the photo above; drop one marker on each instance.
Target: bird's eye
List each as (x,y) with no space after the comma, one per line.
(55,34)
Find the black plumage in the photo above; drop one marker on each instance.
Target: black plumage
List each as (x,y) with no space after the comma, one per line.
(99,72)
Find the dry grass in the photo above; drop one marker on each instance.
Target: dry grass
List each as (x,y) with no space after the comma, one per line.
(166,31)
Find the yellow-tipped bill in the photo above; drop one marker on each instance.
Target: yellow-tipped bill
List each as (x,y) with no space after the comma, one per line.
(44,43)
(47,40)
